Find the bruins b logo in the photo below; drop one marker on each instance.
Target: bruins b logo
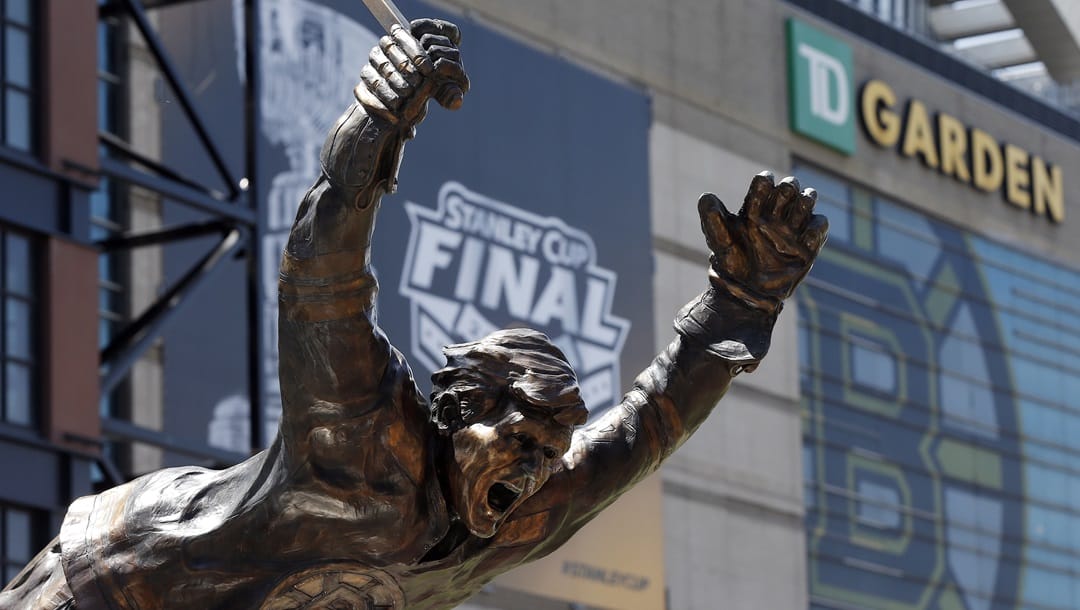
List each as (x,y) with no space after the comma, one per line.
(910,441)
(338,586)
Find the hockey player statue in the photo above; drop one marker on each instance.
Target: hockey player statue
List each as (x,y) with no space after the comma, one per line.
(372,496)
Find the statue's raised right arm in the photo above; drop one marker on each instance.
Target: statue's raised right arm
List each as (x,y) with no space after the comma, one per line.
(758,258)
(332,353)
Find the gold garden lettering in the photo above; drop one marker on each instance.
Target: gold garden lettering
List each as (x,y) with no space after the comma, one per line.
(967,154)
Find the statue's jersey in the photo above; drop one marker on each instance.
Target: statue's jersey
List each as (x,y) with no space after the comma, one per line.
(272,533)
(350,509)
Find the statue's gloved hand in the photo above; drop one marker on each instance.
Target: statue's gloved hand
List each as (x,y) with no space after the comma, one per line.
(407,69)
(760,255)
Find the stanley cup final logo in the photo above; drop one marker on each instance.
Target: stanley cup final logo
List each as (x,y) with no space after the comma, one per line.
(475,265)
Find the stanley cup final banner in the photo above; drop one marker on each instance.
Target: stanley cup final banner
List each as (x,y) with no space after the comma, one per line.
(527,207)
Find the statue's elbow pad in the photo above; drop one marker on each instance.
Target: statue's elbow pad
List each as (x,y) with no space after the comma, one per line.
(726,328)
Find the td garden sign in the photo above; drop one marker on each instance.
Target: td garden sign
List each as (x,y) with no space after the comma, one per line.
(823,108)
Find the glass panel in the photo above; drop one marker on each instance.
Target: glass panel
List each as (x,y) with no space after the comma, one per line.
(108,300)
(834,201)
(17,57)
(1048,588)
(873,369)
(18,11)
(18,265)
(17,328)
(884,10)
(104,46)
(17,125)
(17,394)
(105,267)
(907,238)
(104,333)
(98,232)
(878,505)
(100,202)
(17,536)
(104,105)
(107,405)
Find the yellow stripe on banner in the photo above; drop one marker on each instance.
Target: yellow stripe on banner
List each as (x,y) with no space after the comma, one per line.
(970,463)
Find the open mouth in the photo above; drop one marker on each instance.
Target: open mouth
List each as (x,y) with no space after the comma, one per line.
(501,496)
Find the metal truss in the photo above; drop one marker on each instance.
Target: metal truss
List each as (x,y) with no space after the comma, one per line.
(233,218)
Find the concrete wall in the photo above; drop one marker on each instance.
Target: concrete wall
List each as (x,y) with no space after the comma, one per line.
(717,76)
(733,493)
(145,386)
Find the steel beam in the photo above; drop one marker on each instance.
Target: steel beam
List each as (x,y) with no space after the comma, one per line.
(120,430)
(161,55)
(255,296)
(133,340)
(180,193)
(1053,28)
(109,469)
(1009,49)
(126,241)
(117,145)
(233,214)
(950,22)
(115,8)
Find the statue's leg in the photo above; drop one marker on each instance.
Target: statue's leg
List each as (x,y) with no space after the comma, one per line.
(41,585)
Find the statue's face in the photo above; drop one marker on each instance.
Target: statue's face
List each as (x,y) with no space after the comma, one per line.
(500,461)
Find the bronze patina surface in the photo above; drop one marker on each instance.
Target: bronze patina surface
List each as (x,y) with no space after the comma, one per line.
(373,497)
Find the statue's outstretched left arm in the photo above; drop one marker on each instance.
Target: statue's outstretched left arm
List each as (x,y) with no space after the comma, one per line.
(758,258)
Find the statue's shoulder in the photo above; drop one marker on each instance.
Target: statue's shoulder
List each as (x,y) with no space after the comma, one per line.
(113,528)
(157,501)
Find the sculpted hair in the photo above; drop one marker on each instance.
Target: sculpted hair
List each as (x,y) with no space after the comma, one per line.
(520,361)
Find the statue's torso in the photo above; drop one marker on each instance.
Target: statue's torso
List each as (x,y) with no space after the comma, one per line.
(267,534)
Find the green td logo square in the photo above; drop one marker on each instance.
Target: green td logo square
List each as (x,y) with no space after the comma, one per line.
(821,87)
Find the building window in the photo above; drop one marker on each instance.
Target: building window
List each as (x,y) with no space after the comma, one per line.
(18,302)
(128,283)
(108,209)
(111,60)
(16,70)
(905,15)
(939,391)
(17,540)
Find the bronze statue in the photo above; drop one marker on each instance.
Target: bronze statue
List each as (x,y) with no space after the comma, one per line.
(370,497)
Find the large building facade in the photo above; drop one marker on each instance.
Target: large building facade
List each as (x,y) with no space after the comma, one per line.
(908,443)
(49,431)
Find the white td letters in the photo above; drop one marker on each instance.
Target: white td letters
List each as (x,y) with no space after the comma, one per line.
(824,70)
